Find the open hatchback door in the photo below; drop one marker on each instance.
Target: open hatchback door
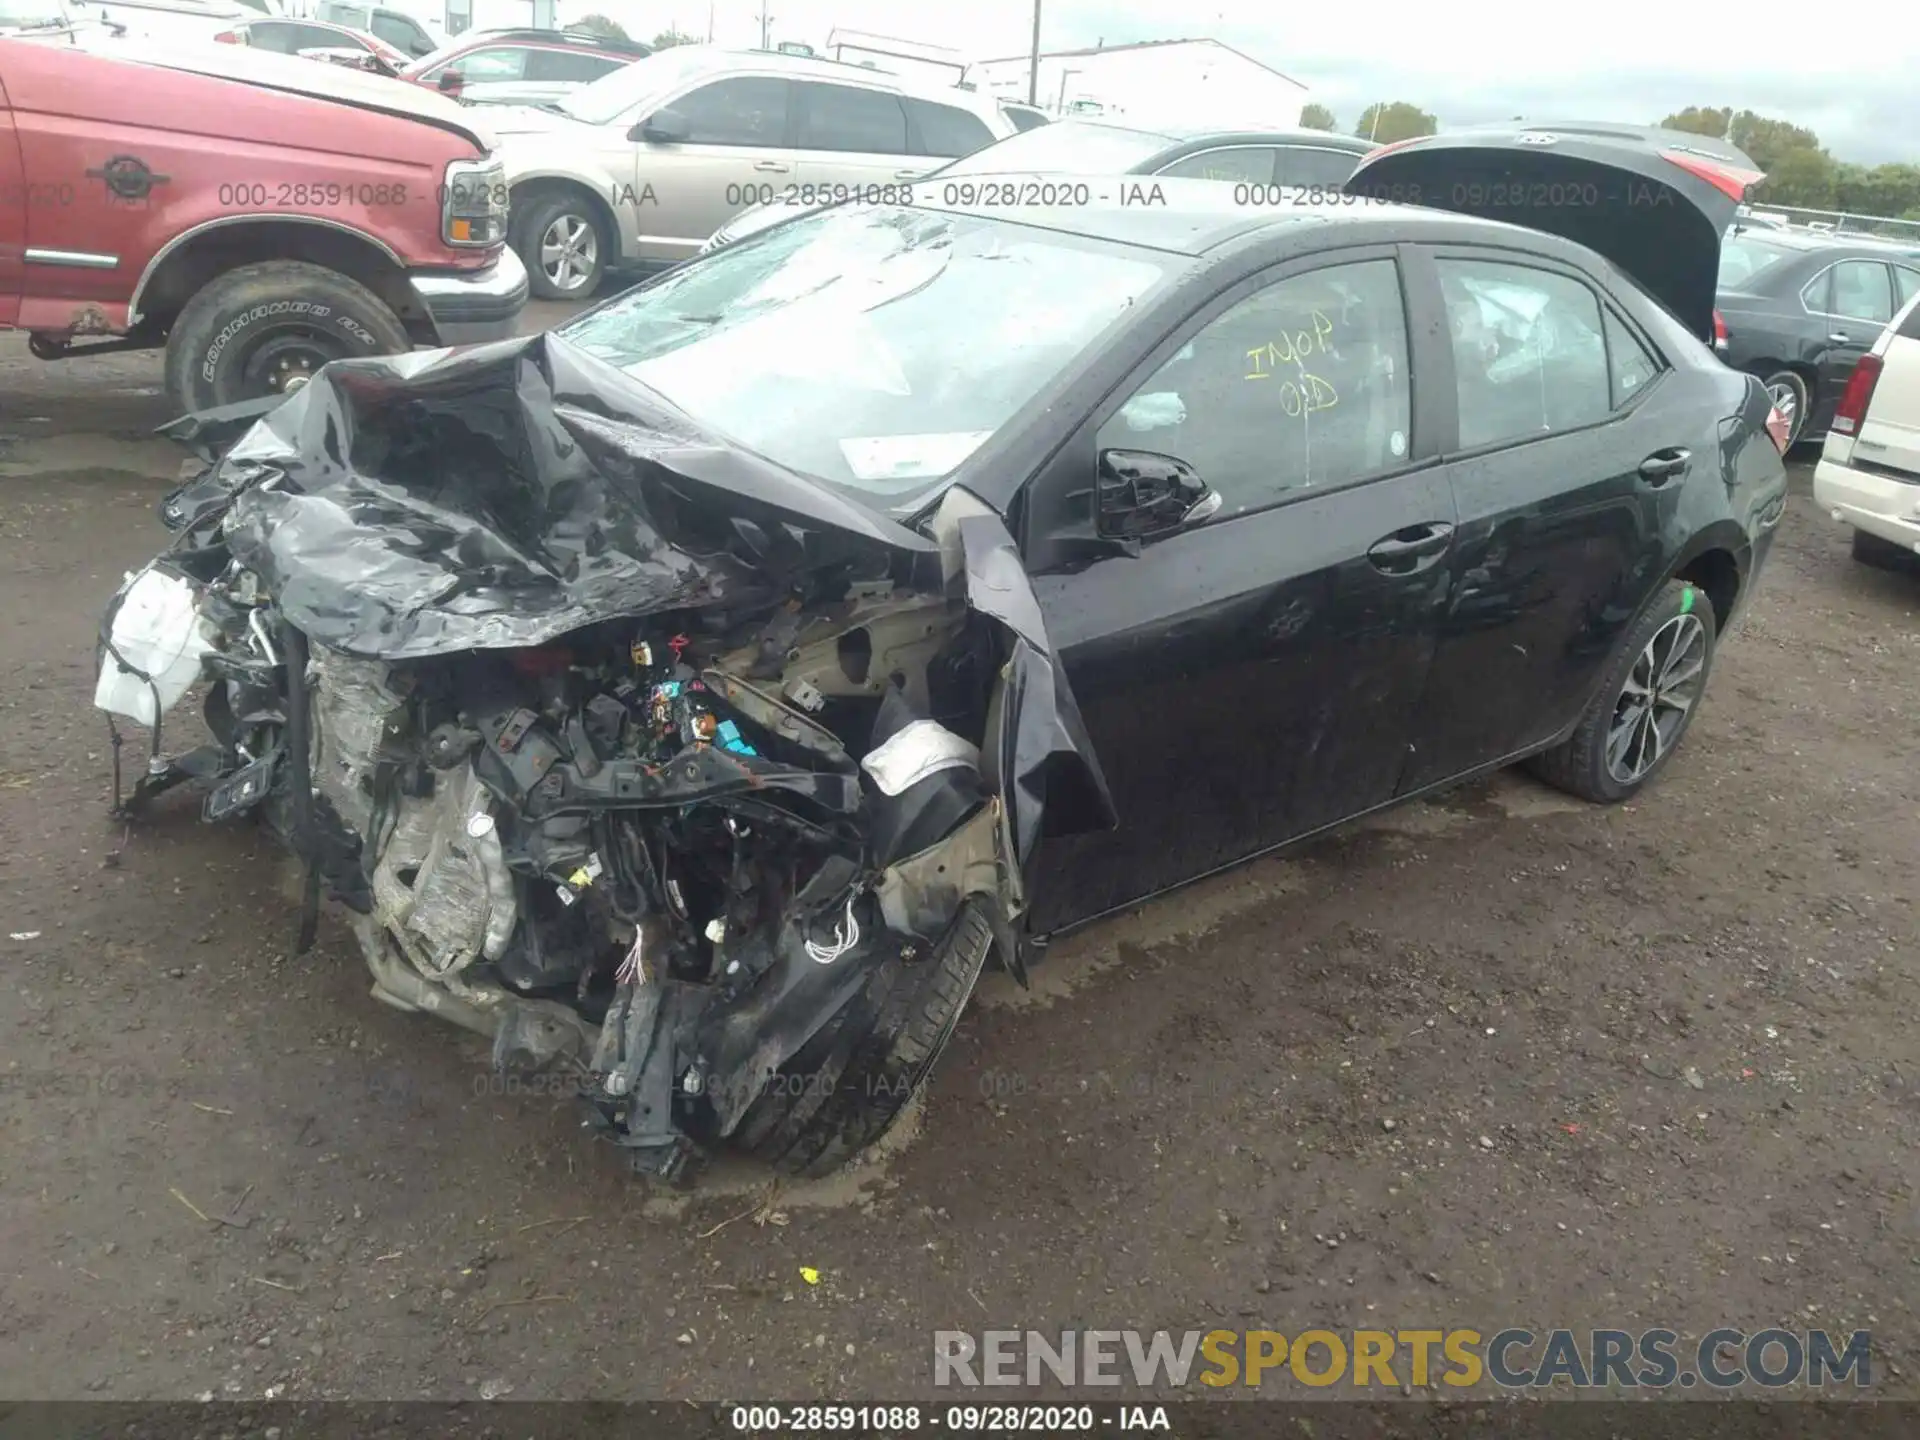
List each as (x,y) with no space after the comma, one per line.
(1654,202)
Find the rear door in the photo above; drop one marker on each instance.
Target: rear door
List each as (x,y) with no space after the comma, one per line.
(1852,301)
(851,136)
(1253,674)
(1559,401)
(16,195)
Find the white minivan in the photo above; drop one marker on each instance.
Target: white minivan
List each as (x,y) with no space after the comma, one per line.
(1869,471)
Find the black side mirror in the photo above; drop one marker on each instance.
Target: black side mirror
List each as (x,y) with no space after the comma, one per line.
(663,127)
(451,81)
(1142,493)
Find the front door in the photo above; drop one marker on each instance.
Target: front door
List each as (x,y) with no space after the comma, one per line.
(736,155)
(1558,539)
(1252,674)
(15,198)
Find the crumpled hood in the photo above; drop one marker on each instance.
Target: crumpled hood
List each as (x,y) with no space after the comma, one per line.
(503,495)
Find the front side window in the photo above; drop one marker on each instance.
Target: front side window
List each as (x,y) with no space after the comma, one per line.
(1528,352)
(1243,165)
(840,117)
(1302,385)
(1861,291)
(1905,284)
(874,348)
(747,110)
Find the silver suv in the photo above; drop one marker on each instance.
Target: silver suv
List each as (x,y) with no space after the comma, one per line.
(644,164)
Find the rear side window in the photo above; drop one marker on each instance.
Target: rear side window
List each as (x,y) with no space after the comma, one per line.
(401,33)
(568,66)
(840,117)
(749,110)
(947,130)
(1862,290)
(1630,366)
(1302,385)
(1243,165)
(1314,166)
(1529,356)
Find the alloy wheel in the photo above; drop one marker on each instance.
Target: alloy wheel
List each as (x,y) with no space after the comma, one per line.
(1786,399)
(569,251)
(1660,692)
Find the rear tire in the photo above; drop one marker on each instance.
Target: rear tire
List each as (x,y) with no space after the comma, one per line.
(1636,720)
(1786,386)
(852,1080)
(1870,549)
(268,328)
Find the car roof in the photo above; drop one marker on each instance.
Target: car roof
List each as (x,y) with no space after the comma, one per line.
(564,39)
(1296,135)
(1813,242)
(1192,217)
(716,60)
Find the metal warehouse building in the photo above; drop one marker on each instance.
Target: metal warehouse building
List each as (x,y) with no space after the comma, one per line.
(1154,82)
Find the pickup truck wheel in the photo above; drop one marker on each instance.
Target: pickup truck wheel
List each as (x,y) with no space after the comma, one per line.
(563,244)
(1644,704)
(267,328)
(849,1083)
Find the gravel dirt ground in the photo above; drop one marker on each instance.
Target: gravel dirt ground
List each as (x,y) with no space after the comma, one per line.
(1501,1059)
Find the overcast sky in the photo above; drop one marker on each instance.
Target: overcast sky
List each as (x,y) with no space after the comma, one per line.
(1464,60)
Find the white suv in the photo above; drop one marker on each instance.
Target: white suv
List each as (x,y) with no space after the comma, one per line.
(641,166)
(1869,473)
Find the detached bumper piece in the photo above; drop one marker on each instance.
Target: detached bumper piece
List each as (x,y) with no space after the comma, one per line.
(654,763)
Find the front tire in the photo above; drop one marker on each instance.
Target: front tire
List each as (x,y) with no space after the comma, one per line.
(1644,704)
(563,243)
(267,329)
(852,1080)
(1788,392)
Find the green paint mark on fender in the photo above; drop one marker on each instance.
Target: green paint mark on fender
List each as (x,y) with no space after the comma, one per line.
(1686,600)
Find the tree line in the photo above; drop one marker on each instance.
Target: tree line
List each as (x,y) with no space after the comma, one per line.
(1801,174)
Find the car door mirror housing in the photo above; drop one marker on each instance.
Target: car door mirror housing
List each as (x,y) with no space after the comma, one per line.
(663,127)
(451,80)
(1143,493)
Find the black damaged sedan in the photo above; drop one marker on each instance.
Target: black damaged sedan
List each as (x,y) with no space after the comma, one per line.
(697,698)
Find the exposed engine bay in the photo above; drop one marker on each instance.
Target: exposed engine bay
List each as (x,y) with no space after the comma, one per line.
(618,745)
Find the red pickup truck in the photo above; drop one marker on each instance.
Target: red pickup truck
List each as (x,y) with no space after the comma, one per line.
(256,214)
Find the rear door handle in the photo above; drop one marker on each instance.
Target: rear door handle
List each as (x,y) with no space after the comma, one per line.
(908,174)
(1411,548)
(1663,465)
(771,167)
(1839,339)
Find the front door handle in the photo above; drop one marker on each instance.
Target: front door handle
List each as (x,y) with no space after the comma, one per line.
(1663,465)
(1839,339)
(771,167)
(908,174)
(1411,548)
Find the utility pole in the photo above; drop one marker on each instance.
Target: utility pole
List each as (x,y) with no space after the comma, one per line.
(766,27)
(1033,60)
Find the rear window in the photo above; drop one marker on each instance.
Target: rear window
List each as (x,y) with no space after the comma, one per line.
(948,130)
(1745,256)
(1089,149)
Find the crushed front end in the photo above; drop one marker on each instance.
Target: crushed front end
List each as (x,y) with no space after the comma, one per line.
(628,750)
